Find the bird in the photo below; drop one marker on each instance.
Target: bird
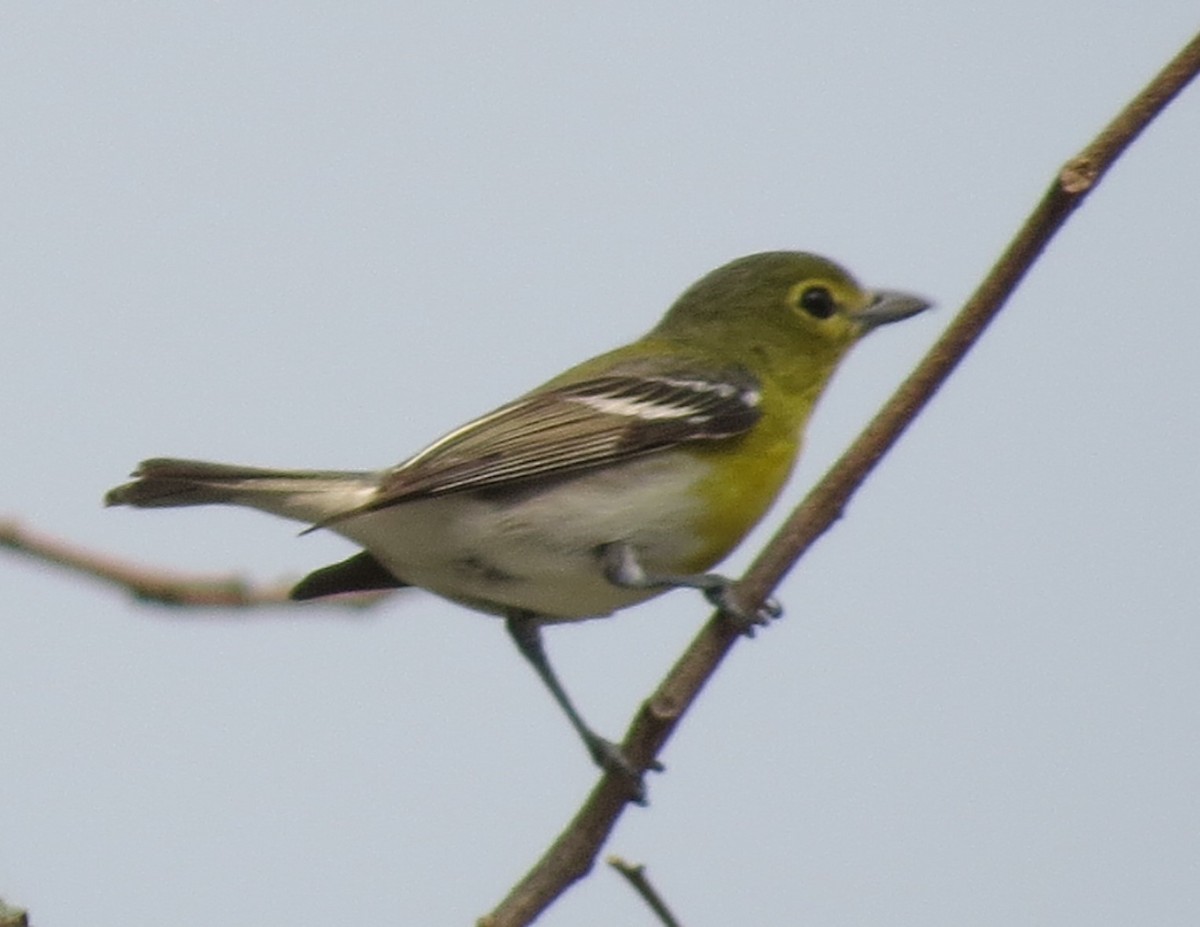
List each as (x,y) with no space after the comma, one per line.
(630,474)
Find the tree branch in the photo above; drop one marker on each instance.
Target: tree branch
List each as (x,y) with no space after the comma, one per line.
(572,855)
(636,876)
(162,587)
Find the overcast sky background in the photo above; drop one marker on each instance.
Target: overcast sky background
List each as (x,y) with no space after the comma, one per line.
(321,235)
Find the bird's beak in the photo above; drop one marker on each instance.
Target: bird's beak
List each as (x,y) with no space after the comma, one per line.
(889,306)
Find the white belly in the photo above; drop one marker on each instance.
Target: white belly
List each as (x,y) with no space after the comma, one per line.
(537,549)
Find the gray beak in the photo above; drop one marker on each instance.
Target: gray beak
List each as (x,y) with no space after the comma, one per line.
(890,306)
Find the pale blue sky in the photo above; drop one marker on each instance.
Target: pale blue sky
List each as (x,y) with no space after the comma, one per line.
(320,235)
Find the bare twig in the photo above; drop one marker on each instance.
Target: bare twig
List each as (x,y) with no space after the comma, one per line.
(636,876)
(155,585)
(572,855)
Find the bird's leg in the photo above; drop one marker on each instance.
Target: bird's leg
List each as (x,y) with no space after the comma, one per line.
(526,632)
(622,568)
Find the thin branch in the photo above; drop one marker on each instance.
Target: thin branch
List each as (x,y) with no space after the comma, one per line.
(161,587)
(635,875)
(572,855)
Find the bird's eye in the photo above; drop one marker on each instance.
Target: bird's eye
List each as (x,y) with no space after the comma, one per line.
(817,301)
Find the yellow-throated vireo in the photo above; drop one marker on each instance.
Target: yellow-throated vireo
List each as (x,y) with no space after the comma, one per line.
(630,474)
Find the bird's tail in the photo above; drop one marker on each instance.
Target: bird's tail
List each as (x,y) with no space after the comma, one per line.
(304,495)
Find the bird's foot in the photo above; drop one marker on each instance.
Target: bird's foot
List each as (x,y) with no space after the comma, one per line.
(623,568)
(719,590)
(611,758)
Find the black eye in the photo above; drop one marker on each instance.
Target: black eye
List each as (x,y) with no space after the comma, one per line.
(818,302)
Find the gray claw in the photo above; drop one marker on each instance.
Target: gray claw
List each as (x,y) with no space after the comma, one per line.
(722,596)
(609,757)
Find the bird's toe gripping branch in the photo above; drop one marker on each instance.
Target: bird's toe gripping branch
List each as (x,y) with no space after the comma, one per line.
(622,568)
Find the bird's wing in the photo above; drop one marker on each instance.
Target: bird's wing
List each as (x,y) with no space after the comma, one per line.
(577,426)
